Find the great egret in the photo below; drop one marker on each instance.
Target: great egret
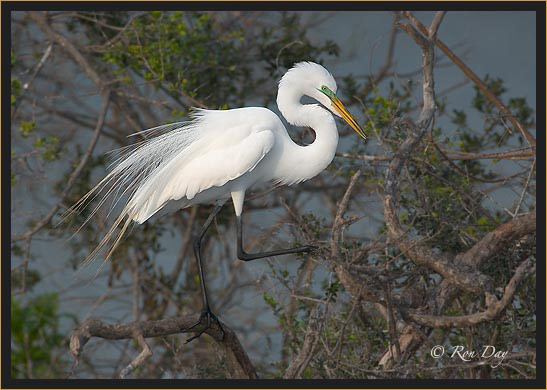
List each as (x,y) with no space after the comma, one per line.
(219,155)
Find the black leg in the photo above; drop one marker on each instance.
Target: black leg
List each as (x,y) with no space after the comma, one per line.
(242,255)
(206,312)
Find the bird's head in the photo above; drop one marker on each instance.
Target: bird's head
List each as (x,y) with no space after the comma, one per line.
(317,82)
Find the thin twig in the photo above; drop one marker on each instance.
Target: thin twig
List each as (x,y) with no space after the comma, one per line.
(26,86)
(525,188)
(74,176)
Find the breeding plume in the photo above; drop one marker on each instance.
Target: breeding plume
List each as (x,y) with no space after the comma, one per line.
(218,155)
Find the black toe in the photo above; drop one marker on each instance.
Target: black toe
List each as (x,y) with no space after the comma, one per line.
(210,318)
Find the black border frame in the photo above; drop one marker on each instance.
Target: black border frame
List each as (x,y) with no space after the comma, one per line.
(7,7)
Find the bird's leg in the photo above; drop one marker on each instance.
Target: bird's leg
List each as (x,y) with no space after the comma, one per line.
(206,313)
(242,255)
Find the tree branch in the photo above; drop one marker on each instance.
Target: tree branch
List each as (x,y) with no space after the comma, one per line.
(480,84)
(40,19)
(457,155)
(498,239)
(238,361)
(301,361)
(26,86)
(74,176)
(494,306)
(468,280)
(339,219)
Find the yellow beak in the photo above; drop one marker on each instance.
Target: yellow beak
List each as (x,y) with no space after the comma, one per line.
(339,107)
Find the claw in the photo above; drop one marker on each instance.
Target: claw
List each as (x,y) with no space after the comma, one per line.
(209,316)
(311,248)
(308,249)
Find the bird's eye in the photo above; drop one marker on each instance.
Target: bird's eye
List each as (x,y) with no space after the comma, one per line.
(324,88)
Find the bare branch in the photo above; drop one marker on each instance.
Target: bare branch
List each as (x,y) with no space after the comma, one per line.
(26,86)
(457,156)
(363,157)
(437,20)
(40,19)
(350,282)
(480,84)
(301,361)
(498,239)
(494,307)
(145,353)
(74,176)
(384,70)
(414,34)
(236,355)
(525,189)
(420,253)
(339,219)
(509,155)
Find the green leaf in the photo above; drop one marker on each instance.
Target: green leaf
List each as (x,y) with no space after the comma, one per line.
(26,127)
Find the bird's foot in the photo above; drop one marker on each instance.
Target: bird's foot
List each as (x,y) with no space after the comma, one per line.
(309,248)
(207,315)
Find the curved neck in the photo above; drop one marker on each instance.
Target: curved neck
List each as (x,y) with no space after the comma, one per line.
(304,162)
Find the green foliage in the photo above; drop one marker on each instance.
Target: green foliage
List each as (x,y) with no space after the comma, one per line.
(32,277)
(480,102)
(15,90)
(522,111)
(331,289)
(49,147)
(26,128)
(183,54)
(460,118)
(36,341)
(189,56)
(495,124)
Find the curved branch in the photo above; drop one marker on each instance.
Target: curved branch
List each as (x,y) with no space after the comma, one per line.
(448,288)
(494,307)
(237,358)
(498,239)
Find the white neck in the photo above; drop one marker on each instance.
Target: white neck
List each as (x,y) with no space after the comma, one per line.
(304,162)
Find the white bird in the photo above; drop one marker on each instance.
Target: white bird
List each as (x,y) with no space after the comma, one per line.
(219,154)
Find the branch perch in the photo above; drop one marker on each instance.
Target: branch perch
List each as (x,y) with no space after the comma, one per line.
(238,361)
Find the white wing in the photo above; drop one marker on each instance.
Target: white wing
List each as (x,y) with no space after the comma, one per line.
(184,178)
(230,144)
(182,160)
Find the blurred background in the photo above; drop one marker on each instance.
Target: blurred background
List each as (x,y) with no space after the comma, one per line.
(159,65)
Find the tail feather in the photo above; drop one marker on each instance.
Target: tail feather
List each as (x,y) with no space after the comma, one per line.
(131,171)
(92,256)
